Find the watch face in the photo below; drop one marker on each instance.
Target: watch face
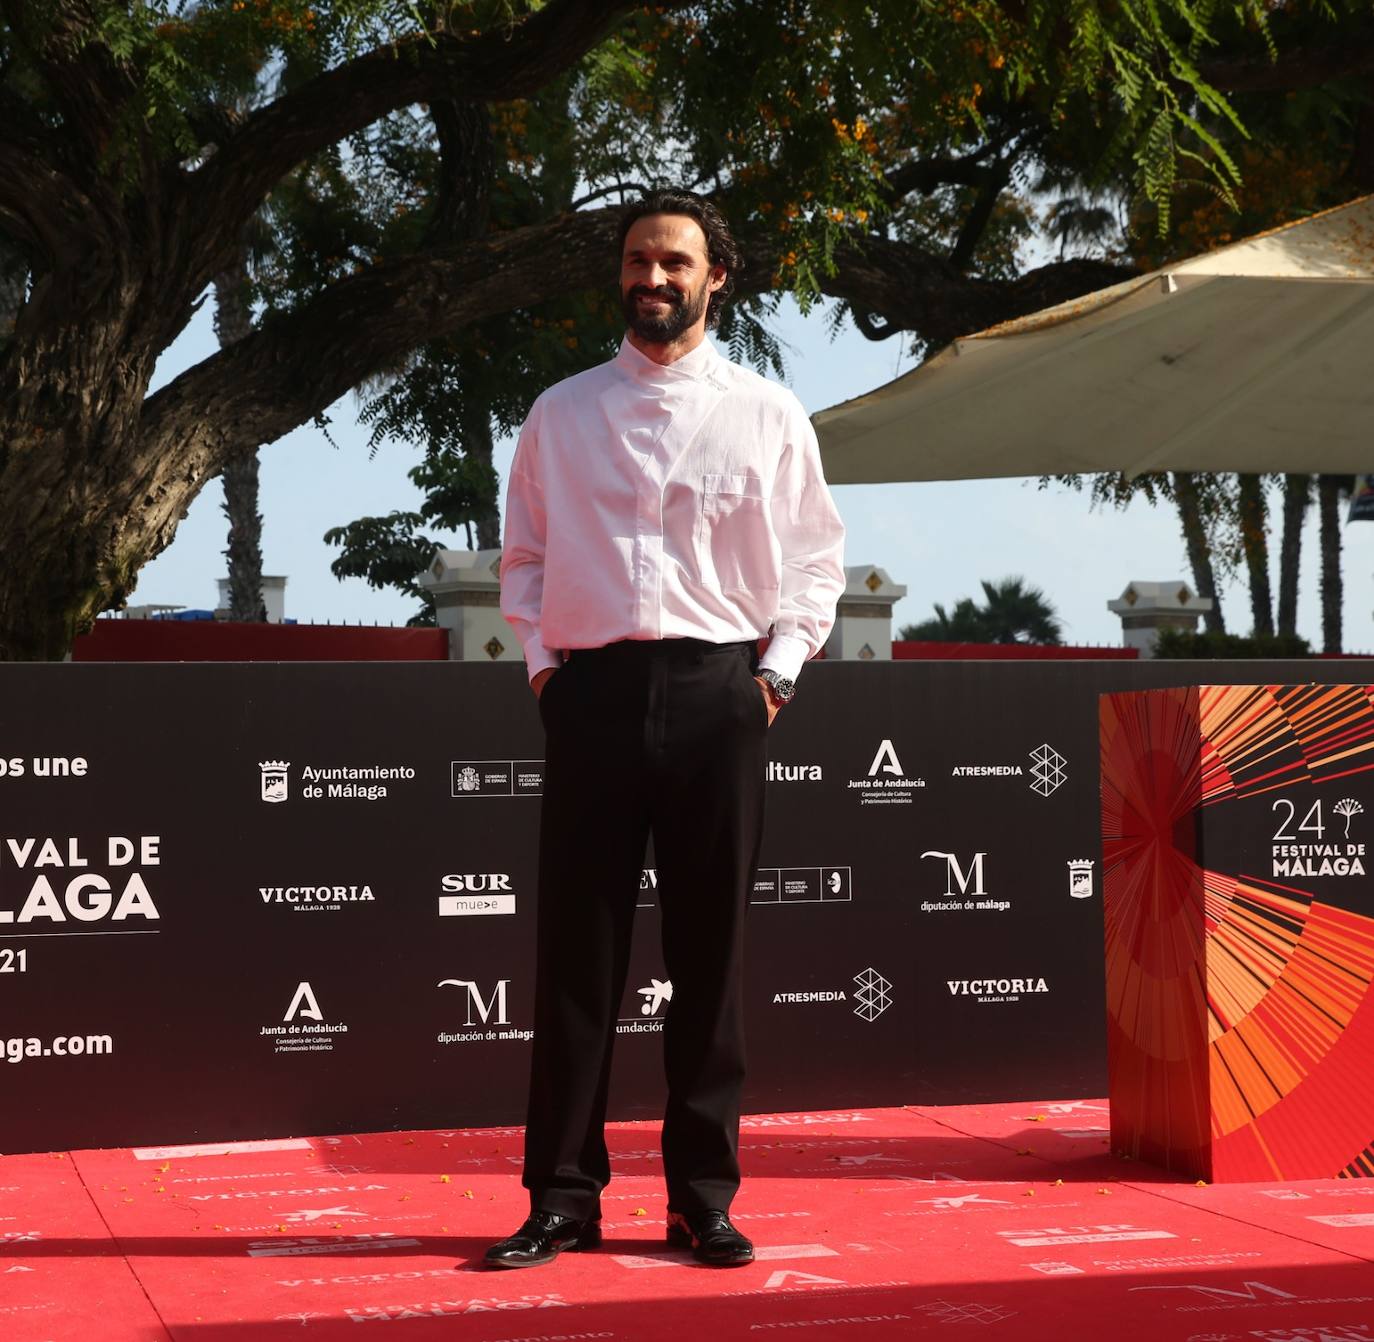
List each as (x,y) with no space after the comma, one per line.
(783,689)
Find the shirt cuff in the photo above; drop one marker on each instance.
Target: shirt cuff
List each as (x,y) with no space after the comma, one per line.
(785,655)
(539,658)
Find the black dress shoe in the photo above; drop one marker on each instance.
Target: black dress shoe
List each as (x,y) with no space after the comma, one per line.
(711,1238)
(541,1239)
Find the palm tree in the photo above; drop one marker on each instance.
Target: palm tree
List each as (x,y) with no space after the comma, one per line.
(233,321)
(1015,613)
(1297,497)
(1329,491)
(1253,520)
(963,625)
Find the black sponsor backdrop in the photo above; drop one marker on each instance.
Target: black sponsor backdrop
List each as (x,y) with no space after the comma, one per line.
(857,995)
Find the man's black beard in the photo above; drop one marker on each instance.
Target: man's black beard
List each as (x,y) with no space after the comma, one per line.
(685,313)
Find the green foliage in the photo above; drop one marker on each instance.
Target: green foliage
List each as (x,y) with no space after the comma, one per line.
(1011,613)
(1187,644)
(386,552)
(801,116)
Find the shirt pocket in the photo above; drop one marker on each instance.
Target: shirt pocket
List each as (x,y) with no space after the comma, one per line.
(735,535)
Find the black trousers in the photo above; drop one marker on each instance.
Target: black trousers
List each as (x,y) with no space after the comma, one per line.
(668,738)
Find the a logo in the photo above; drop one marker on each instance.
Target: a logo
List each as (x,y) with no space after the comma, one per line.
(956,875)
(959,1201)
(293,1036)
(1222,1296)
(996,990)
(946,1311)
(1053,1268)
(872,995)
(1047,770)
(496,778)
(314,898)
(483,1007)
(886,782)
(304,1003)
(1347,808)
(476,895)
(1081,877)
(655,995)
(1294,854)
(885,761)
(1108,1234)
(276,780)
(801,885)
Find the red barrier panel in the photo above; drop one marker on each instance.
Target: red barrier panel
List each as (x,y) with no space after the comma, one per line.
(229,641)
(911,651)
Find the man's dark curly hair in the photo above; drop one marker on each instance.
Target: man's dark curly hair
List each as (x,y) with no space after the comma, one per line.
(720,246)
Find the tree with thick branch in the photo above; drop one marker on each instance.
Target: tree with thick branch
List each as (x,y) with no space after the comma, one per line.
(875,157)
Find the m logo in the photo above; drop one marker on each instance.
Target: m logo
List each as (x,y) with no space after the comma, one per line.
(956,875)
(885,761)
(304,1004)
(484,1009)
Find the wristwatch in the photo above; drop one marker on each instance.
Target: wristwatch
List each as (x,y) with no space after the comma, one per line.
(782,689)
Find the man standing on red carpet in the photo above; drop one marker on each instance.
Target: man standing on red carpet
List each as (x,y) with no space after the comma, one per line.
(666,511)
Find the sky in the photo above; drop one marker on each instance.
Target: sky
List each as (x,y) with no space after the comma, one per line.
(938,539)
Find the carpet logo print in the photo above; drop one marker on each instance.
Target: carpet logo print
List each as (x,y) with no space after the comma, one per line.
(312,1214)
(873,995)
(1048,770)
(946,1311)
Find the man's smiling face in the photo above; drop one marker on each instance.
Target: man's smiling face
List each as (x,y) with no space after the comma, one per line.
(666,278)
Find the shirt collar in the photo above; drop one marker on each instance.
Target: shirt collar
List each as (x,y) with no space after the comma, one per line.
(696,365)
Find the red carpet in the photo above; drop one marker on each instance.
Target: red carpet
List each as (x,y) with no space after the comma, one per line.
(997,1222)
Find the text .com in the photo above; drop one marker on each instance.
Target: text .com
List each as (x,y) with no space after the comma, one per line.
(64,1046)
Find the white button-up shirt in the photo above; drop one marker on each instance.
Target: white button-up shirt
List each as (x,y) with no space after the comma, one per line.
(687,501)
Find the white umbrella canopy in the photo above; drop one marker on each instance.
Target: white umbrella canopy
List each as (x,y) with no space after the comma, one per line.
(1256,357)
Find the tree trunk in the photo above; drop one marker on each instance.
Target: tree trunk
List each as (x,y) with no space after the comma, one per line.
(1199,549)
(13,280)
(478,444)
(1255,547)
(233,321)
(1328,505)
(1297,494)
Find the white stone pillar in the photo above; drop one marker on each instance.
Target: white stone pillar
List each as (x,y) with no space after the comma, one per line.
(1147,607)
(863,619)
(466,588)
